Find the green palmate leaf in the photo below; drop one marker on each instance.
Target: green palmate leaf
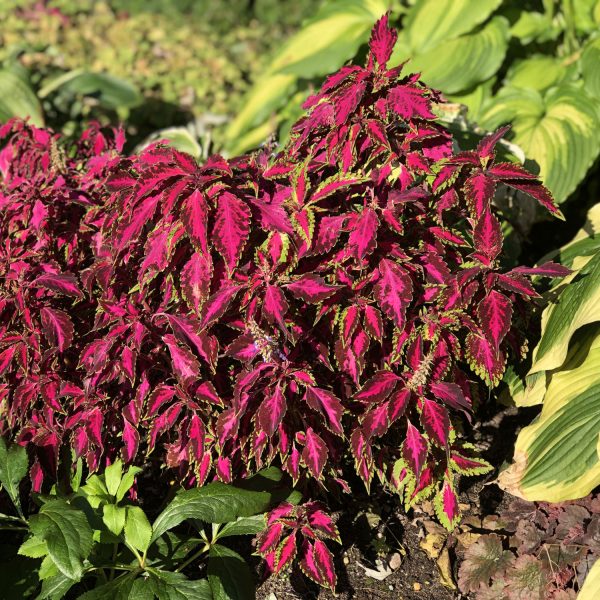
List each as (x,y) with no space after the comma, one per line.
(138,531)
(229,575)
(220,503)
(458,64)
(33,547)
(17,99)
(126,587)
(126,482)
(114,517)
(112,477)
(67,534)
(577,304)
(429,22)
(556,130)
(55,588)
(175,586)
(13,467)
(324,44)
(243,526)
(591,585)
(556,458)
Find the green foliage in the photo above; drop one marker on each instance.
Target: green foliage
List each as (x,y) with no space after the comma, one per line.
(508,62)
(153,64)
(556,457)
(98,539)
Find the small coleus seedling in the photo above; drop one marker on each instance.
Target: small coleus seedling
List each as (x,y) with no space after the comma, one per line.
(335,298)
(298,532)
(541,551)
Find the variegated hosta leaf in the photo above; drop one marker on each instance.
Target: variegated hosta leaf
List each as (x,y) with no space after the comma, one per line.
(577,304)
(591,585)
(557,130)
(455,65)
(557,457)
(323,45)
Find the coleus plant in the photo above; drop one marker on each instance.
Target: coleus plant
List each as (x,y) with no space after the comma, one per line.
(330,299)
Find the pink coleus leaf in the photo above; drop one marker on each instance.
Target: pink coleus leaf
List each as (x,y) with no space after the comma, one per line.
(270,537)
(539,192)
(62,283)
(506,170)
(218,303)
(286,552)
(363,236)
(485,148)
(184,363)
(393,291)
(547,269)
(495,316)
(479,191)
(311,288)
(373,322)
(376,422)
(328,404)
(195,280)
(275,306)
(436,422)
(414,449)
(322,523)
(486,360)
(410,101)
(314,453)
(378,388)
(487,236)
(57,327)
(446,506)
(383,39)
(194,215)
(323,560)
(398,403)
(451,394)
(308,563)
(232,224)
(272,410)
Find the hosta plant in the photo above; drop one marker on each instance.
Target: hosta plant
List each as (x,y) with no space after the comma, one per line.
(328,306)
(556,457)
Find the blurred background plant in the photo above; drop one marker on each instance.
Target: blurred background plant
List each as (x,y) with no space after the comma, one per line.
(151,64)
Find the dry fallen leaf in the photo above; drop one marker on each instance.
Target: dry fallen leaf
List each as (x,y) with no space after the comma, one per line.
(434,540)
(445,568)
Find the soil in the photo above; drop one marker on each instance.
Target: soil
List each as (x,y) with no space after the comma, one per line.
(369,537)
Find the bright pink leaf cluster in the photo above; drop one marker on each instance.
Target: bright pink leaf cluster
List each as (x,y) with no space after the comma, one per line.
(299,532)
(329,300)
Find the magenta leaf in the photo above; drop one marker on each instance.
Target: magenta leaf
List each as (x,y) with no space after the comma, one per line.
(314,453)
(62,283)
(495,316)
(487,237)
(363,235)
(232,225)
(329,404)
(393,291)
(410,101)
(414,449)
(311,288)
(271,411)
(436,422)
(378,388)
(383,39)
(58,327)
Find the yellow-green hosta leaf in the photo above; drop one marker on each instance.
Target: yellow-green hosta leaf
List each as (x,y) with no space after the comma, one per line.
(475,98)
(458,64)
(556,458)
(591,585)
(536,72)
(590,67)
(327,41)
(17,99)
(558,131)
(577,304)
(429,22)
